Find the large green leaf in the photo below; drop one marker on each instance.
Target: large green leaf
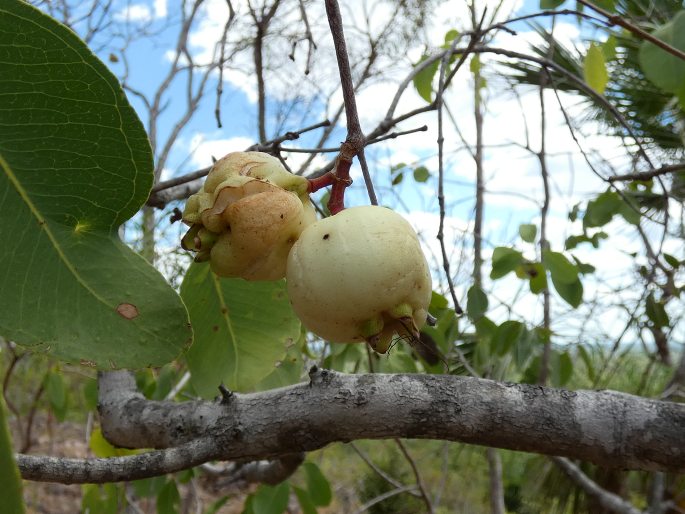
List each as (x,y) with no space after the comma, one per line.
(242,329)
(12,502)
(75,163)
(664,69)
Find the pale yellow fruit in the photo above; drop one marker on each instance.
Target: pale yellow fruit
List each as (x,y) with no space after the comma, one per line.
(247,216)
(360,276)
(262,230)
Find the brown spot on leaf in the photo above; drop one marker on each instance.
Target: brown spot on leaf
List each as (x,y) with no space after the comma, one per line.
(127,310)
(326,236)
(215,328)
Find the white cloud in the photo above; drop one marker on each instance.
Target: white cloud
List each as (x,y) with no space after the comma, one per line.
(160,7)
(142,13)
(204,149)
(135,12)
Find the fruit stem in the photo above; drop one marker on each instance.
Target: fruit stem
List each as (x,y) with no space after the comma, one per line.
(338,178)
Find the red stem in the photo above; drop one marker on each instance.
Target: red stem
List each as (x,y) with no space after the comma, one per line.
(339,178)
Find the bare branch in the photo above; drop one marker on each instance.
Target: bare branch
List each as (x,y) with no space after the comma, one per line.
(606,499)
(222,62)
(116,469)
(647,175)
(417,476)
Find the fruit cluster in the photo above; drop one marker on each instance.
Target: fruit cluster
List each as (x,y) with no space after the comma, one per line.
(359,275)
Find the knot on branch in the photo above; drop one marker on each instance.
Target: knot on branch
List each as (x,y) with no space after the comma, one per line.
(319,376)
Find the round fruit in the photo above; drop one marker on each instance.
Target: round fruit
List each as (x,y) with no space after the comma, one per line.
(247,216)
(360,276)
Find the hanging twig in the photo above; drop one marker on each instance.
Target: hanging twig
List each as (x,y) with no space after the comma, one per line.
(222,62)
(354,143)
(417,476)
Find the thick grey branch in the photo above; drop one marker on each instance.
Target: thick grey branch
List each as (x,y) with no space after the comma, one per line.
(608,428)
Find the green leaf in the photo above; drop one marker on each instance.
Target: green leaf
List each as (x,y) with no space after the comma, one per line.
(75,163)
(664,69)
(271,499)
(324,203)
(438,302)
(421,174)
(504,260)
(485,328)
(602,209)
(506,336)
(587,360)
(525,347)
(57,393)
(101,447)
(164,382)
(671,260)
(656,312)
(561,368)
(168,499)
(306,503)
(607,5)
(609,48)
(630,212)
(560,267)
(397,179)
(149,487)
(532,372)
(286,372)
(573,241)
(12,500)
(476,302)
(528,231)
(550,4)
(474,65)
(537,275)
(242,329)
(214,507)
(423,81)
(572,292)
(317,485)
(450,36)
(100,498)
(583,267)
(90,394)
(595,69)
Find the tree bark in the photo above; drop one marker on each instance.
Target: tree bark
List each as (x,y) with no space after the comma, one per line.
(608,428)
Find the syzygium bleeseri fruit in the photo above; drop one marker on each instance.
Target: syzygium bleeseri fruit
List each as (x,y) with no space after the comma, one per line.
(360,275)
(248,214)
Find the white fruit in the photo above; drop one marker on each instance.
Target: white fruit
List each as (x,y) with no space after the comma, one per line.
(360,276)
